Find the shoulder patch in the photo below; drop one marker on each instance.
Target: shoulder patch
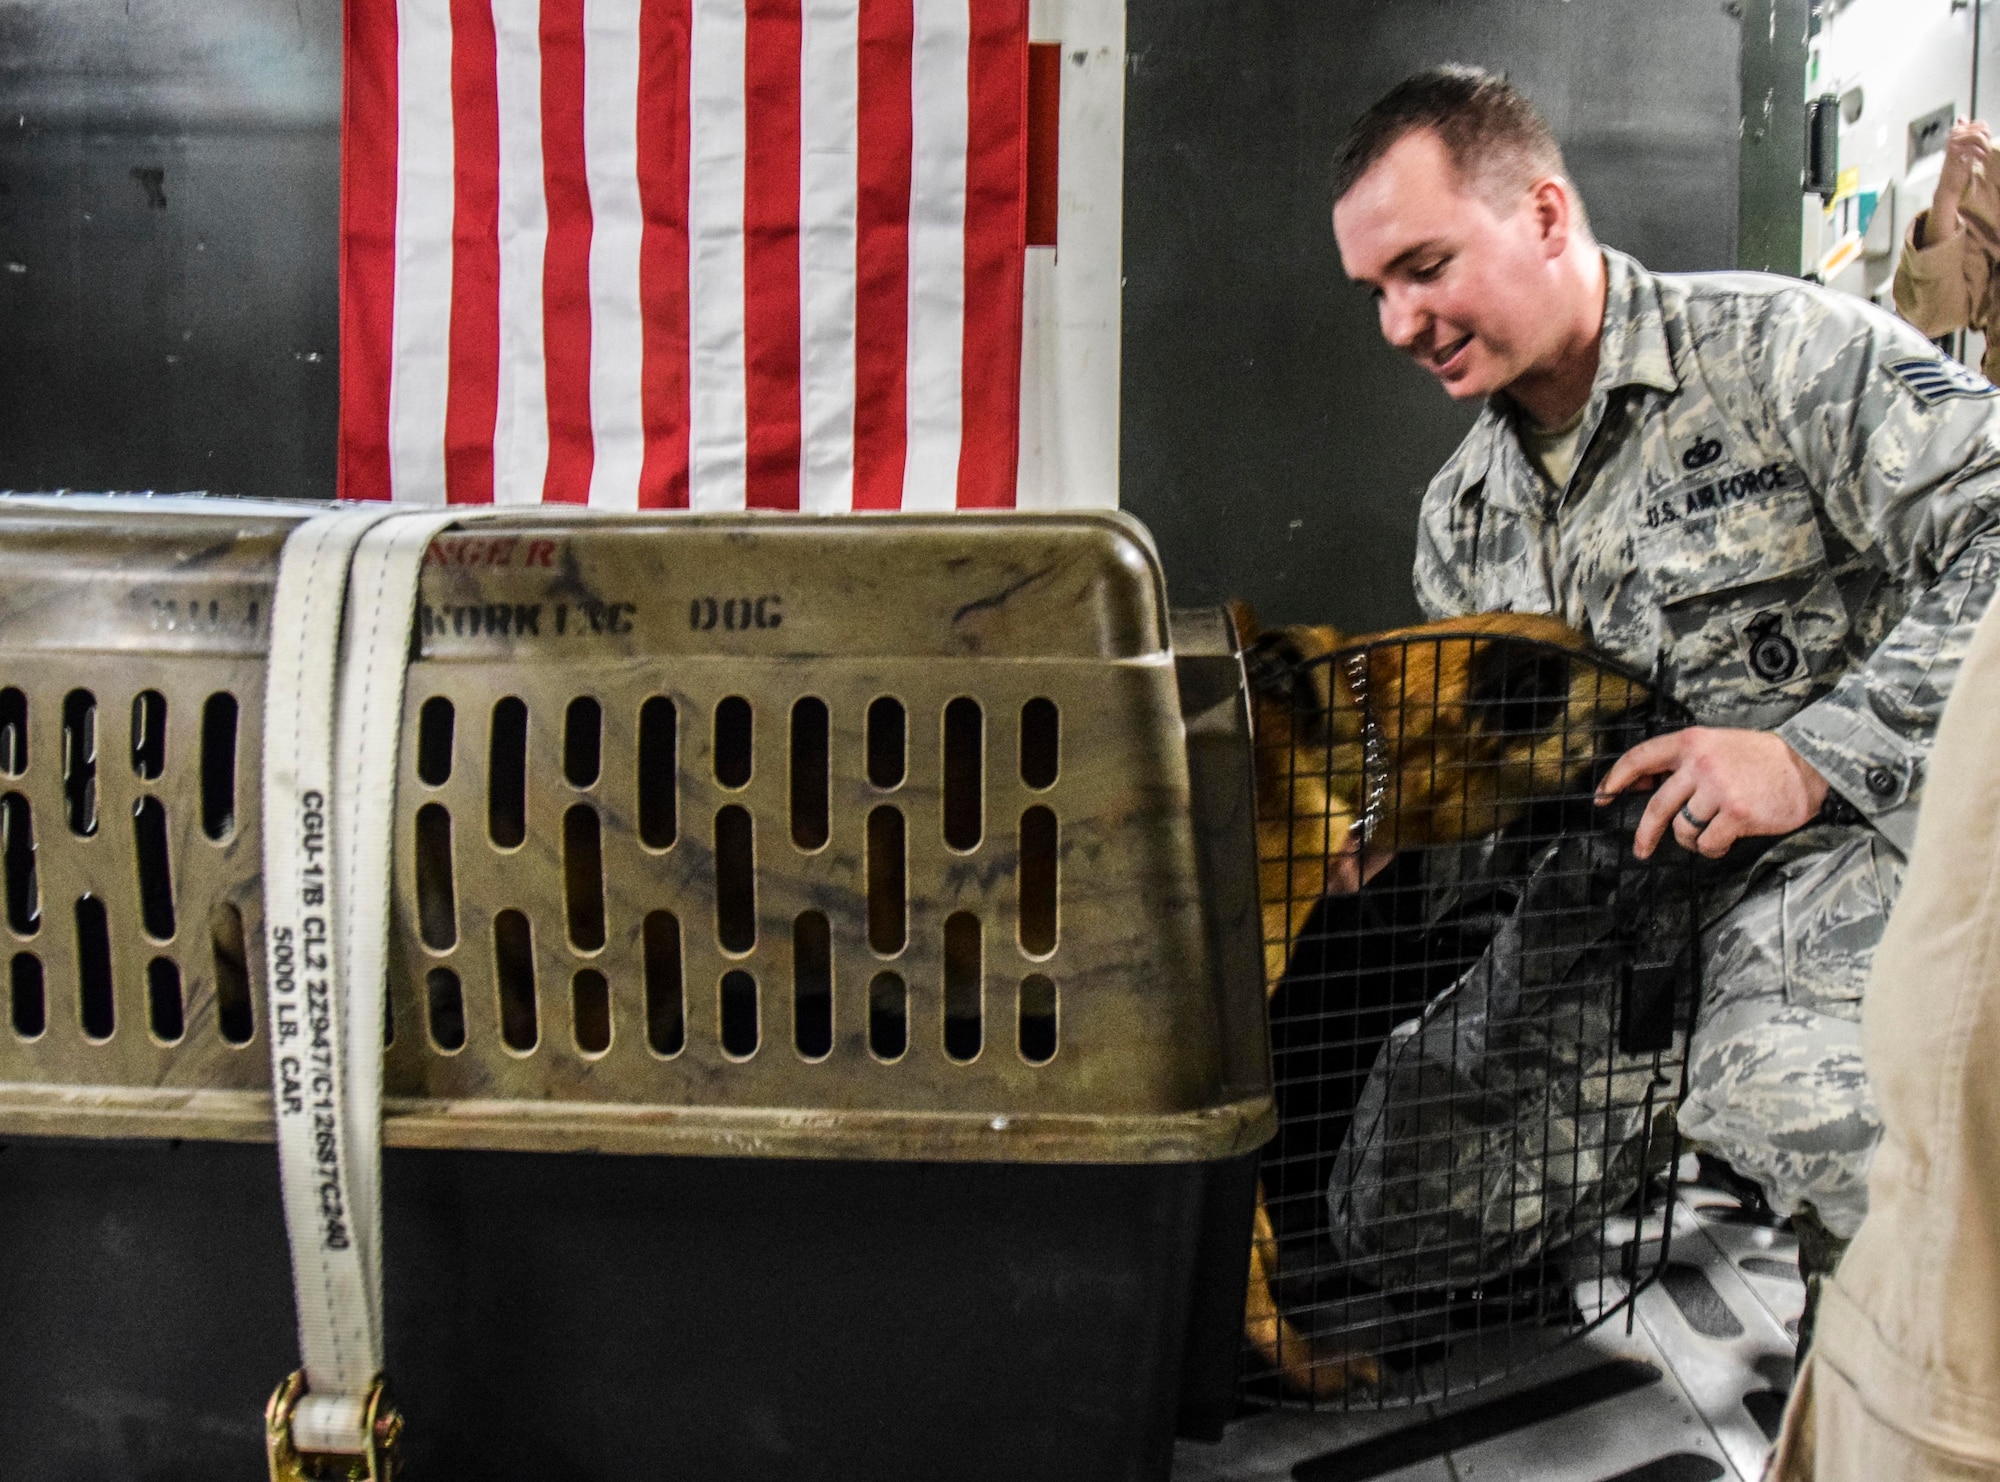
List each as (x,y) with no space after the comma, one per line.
(1934,381)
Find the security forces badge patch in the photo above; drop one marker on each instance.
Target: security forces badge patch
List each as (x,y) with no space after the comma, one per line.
(1770,647)
(1934,381)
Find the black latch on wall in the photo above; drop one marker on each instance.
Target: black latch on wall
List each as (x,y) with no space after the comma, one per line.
(1822,175)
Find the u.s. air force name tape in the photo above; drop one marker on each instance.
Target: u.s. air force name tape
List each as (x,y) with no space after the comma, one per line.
(340,634)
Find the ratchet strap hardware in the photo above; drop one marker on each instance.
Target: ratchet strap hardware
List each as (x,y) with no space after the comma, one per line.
(380,1427)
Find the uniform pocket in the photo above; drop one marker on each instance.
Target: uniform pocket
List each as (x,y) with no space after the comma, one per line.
(1752,615)
(1717,544)
(1834,907)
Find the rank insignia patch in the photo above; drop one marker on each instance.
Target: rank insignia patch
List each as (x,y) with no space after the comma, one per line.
(1934,381)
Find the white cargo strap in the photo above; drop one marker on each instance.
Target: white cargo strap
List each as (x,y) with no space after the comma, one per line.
(341,624)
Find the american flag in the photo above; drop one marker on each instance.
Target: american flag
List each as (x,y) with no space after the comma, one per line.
(683,253)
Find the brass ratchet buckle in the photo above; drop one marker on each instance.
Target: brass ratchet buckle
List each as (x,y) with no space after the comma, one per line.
(288,1464)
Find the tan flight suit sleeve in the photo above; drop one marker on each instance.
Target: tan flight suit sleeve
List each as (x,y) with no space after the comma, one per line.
(1941,286)
(1903,1380)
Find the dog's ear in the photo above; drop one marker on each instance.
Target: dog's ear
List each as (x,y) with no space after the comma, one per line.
(1243,618)
(1514,687)
(1271,664)
(1282,671)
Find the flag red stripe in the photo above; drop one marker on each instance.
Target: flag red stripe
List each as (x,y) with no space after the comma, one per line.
(663,249)
(566,257)
(995,242)
(472,394)
(882,260)
(1044,135)
(771,43)
(367,246)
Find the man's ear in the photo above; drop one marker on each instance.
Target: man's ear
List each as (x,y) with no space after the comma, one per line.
(1554,216)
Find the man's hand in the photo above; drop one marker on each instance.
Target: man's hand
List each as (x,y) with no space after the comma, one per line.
(1352,868)
(1717,786)
(1964,156)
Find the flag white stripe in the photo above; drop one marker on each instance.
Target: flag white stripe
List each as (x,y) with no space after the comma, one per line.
(829,164)
(1071,311)
(420,370)
(939,77)
(521,433)
(611,165)
(717,392)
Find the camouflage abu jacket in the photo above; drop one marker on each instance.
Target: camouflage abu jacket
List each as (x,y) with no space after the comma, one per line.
(1786,506)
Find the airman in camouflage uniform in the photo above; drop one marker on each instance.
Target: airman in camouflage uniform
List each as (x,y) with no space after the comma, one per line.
(1786,505)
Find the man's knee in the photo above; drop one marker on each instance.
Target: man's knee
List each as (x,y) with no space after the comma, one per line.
(1780,1093)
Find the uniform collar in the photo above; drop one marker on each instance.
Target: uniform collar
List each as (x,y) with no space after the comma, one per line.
(1633,350)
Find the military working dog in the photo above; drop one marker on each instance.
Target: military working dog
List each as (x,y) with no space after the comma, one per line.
(1368,746)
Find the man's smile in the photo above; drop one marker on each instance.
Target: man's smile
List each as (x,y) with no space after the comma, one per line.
(1448,360)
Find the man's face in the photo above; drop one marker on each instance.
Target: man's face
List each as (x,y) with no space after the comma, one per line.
(1465,291)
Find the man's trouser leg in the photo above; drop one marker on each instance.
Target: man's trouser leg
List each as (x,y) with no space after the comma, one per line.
(1776,1086)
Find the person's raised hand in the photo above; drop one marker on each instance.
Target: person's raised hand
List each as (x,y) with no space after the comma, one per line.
(1715,786)
(1964,158)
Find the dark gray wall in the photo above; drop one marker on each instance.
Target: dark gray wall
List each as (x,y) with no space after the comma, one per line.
(1770,226)
(1275,446)
(169,196)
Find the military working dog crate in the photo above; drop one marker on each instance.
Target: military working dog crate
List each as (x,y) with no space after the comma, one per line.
(825,1036)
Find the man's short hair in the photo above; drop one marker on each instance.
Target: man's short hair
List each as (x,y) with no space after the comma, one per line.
(1491,131)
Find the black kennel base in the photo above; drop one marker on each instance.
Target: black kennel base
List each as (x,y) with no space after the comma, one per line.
(605,1319)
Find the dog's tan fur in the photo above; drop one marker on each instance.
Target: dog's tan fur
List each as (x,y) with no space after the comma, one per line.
(1450,775)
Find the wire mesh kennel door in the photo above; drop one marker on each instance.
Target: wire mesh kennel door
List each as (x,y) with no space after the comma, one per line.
(1476,1052)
